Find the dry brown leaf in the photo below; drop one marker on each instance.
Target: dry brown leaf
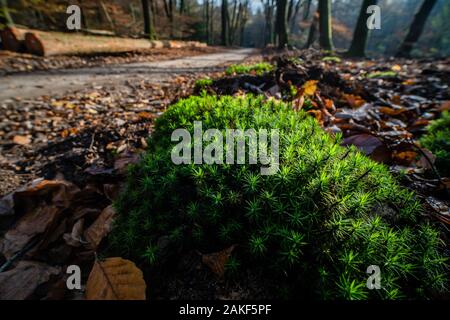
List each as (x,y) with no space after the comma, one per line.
(216,261)
(34,223)
(353,100)
(20,283)
(101,227)
(115,279)
(404,157)
(445,106)
(391,111)
(22,140)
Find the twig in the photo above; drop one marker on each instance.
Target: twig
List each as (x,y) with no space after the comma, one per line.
(16,256)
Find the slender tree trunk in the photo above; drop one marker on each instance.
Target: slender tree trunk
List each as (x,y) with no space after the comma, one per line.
(107,16)
(211,34)
(5,17)
(312,30)
(358,45)
(325,26)
(84,22)
(416,29)
(149,29)
(181,6)
(225,24)
(280,24)
(293,18)
(207,20)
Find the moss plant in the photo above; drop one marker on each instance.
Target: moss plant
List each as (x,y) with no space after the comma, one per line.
(315,226)
(382,74)
(258,68)
(437,140)
(203,83)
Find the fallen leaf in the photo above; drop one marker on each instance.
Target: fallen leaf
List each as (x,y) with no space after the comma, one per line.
(74,238)
(329,104)
(101,227)
(391,111)
(145,115)
(124,160)
(115,279)
(404,157)
(423,162)
(370,145)
(21,282)
(310,87)
(28,227)
(216,261)
(353,100)
(445,106)
(22,140)
(396,68)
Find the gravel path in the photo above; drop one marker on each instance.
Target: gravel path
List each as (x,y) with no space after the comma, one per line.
(30,85)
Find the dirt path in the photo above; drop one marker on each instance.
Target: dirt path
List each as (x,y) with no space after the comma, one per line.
(26,86)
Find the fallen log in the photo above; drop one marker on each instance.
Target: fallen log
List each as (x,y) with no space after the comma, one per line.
(13,39)
(56,43)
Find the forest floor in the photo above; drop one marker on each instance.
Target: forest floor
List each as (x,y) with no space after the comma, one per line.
(82,136)
(47,114)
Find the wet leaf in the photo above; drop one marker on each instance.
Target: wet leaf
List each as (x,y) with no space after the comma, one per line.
(21,282)
(370,145)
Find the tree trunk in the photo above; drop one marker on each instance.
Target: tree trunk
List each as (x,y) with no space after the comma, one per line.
(207,20)
(294,15)
(225,24)
(5,17)
(149,29)
(416,28)
(107,16)
(325,39)
(280,24)
(211,18)
(312,30)
(181,7)
(358,46)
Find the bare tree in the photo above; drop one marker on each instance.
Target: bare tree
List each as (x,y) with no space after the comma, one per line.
(149,29)
(416,29)
(281,24)
(325,26)
(5,17)
(225,23)
(358,46)
(312,30)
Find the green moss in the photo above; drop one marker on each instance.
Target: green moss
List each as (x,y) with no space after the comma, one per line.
(437,140)
(382,74)
(258,68)
(203,83)
(332,59)
(315,225)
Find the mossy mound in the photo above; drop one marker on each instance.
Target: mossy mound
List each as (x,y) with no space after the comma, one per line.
(437,140)
(257,68)
(314,227)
